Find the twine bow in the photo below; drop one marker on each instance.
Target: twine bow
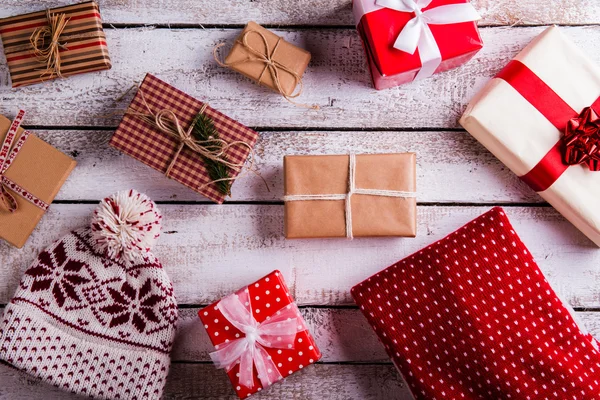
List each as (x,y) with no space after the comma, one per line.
(347,197)
(277,332)
(213,149)
(271,65)
(8,152)
(582,140)
(417,33)
(50,54)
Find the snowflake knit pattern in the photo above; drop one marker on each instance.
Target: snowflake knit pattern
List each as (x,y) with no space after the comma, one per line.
(91,324)
(472,317)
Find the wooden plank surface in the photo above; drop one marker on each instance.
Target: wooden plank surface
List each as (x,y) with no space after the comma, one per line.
(343,335)
(210,251)
(195,381)
(306,12)
(442,157)
(336,80)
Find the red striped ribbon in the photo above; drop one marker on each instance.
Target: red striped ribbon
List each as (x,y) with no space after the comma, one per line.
(8,153)
(554,108)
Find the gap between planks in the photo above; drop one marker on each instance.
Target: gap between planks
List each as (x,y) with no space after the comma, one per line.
(278,13)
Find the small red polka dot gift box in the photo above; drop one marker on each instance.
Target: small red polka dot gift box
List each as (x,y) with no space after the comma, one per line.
(259,335)
(407,40)
(472,317)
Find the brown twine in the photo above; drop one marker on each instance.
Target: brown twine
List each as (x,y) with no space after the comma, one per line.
(50,54)
(270,65)
(214,149)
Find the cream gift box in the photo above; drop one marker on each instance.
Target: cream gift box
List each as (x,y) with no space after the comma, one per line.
(522,115)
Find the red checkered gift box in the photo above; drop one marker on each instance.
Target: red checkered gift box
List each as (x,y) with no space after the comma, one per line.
(144,142)
(259,335)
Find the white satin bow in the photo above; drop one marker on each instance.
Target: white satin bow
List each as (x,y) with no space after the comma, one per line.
(417,34)
(278,331)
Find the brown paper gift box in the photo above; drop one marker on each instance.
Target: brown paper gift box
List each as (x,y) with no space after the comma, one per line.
(154,148)
(84,43)
(286,54)
(371,215)
(41,170)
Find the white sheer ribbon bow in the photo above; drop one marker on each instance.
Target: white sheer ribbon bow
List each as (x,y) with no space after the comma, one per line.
(417,34)
(277,331)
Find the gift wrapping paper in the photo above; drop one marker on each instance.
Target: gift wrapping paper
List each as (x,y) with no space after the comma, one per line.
(281,52)
(521,116)
(380,26)
(268,302)
(149,145)
(39,170)
(84,48)
(371,215)
(473,317)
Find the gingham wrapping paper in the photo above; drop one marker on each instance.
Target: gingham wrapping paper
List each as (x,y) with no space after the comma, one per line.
(155,149)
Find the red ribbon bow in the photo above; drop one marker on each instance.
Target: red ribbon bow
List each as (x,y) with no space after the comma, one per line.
(580,143)
(582,140)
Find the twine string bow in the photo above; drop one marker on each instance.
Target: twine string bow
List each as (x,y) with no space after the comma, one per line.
(50,54)
(214,149)
(273,66)
(277,331)
(347,197)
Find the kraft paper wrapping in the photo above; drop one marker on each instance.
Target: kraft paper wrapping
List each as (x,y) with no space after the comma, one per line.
(371,215)
(292,57)
(85,48)
(519,135)
(41,170)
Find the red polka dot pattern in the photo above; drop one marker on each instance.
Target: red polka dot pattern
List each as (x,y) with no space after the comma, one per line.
(472,317)
(268,295)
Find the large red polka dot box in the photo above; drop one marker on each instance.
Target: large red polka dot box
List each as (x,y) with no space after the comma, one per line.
(259,335)
(472,317)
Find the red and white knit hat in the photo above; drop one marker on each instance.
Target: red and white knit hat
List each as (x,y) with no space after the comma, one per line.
(95,314)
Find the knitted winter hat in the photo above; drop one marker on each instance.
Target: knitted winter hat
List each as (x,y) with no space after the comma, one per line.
(95,313)
(472,317)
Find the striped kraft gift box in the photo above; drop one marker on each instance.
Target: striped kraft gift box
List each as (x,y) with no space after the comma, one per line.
(53,43)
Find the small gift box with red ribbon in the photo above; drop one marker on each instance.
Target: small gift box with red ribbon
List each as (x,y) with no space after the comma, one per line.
(259,335)
(406,40)
(539,116)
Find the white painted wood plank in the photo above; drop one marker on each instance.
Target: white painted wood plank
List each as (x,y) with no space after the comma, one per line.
(193,381)
(307,12)
(336,80)
(343,335)
(442,157)
(210,251)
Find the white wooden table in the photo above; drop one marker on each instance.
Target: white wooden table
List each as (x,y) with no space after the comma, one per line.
(210,250)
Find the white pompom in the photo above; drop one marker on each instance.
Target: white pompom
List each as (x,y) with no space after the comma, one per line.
(125,226)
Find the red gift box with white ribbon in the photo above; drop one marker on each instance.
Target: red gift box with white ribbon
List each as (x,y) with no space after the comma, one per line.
(539,116)
(406,40)
(259,335)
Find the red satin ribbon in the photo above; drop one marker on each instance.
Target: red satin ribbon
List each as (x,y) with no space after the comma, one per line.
(551,106)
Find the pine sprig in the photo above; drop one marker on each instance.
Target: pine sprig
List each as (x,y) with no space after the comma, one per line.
(205,131)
